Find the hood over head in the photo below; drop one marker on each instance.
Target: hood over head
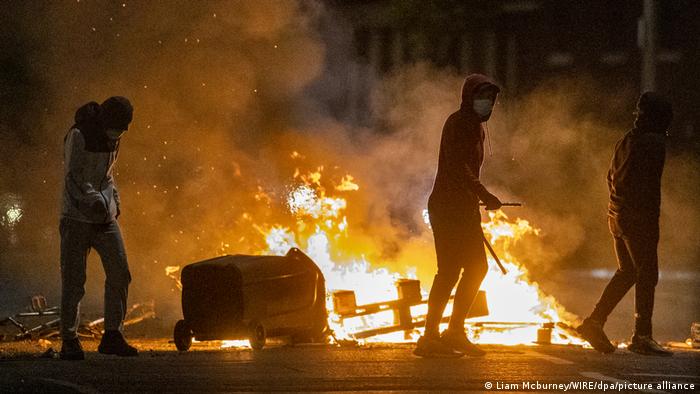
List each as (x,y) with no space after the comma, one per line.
(654,112)
(88,119)
(471,84)
(117,113)
(88,114)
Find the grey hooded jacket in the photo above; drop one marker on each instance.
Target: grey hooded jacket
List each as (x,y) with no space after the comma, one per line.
(89,192)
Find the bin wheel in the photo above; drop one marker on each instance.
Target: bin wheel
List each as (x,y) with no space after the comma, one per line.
(257,335)
(183,336)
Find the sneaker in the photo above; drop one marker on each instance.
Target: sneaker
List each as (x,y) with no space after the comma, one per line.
(592,331)
(646,345)
(113,342)
(432,347)
(71,350)
(458,341)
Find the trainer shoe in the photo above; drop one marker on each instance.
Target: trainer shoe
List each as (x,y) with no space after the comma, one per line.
(113,342)
(592,331)
(458,341)
(644,344)
(71,350)
(433,347)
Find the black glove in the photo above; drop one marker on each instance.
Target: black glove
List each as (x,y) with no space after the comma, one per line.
(492,202)
(93,209)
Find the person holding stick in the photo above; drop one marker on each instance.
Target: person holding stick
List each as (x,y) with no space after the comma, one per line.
(453,208)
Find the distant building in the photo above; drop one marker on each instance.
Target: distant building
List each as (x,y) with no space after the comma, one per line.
(524,42)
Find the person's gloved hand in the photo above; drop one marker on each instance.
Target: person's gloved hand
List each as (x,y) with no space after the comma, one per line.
(93,205)
(492,202)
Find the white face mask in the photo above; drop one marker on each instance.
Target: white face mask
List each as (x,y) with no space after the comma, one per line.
(114,134)
(483,107)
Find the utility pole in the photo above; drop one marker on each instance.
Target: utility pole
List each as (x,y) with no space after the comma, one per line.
(646,39)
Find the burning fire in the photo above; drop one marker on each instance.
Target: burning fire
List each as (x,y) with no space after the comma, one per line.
(517,306)
(512,299)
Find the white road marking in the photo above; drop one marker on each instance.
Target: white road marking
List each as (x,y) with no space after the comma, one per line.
(600,376)
(551,359)
(76,387)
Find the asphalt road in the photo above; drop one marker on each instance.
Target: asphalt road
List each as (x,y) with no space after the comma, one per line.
(378,368)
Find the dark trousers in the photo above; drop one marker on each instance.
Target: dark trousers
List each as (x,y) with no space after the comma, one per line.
(460,250)
(77,238)
(638,266)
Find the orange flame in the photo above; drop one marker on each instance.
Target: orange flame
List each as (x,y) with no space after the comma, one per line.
(513,299)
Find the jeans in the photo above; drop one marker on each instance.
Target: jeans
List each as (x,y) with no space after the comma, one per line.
(460,250)
(77,238)
(638,266)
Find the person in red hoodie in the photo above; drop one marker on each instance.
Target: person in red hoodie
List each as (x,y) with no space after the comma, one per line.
(453,208)
(634,182)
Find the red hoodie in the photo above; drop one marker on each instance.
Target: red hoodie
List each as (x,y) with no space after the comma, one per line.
(457,185)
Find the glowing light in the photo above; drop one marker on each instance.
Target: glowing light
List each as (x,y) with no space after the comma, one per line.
(172,272)
(511,299)
(11,204)
(426,217)
(516,303)
(347,184)
(13,215)
(242,344)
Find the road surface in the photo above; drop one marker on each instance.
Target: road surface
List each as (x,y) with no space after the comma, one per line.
(321,368)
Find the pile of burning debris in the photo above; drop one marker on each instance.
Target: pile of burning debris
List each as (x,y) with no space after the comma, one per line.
(41,322)
(254,297)
(367,302)
(408,316)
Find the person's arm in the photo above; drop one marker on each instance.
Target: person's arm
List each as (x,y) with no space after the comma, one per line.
(653,150)
(649,158)
(74,150)
(455,152)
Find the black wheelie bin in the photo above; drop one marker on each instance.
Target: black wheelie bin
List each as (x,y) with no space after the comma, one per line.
(252,297)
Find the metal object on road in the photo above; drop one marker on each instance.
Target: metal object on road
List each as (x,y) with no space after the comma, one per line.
(137,313)
(252,297)
(505,204)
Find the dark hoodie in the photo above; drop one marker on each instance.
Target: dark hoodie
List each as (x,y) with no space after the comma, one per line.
(634,177)
(457,186)
(90,120)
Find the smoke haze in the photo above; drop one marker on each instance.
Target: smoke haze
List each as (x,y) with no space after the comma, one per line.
(225,92)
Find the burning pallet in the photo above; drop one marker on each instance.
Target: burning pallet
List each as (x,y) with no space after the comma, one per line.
(409,295)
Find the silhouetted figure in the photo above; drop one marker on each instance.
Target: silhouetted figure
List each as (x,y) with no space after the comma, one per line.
(634,182)
(89,220)
(456,221)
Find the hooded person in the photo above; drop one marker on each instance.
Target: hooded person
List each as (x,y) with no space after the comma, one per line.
(634,183)
(455,219)
(90,208)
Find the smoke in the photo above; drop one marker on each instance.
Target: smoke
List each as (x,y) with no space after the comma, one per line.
(551,150)
(225,93)
(213,85)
